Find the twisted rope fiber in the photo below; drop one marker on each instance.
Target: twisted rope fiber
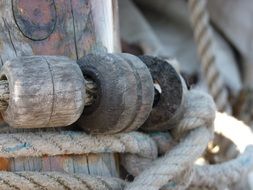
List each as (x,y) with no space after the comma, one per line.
(211,176)
(198,111)
(57,181)
(232,171)
(69,142)
(199,128)
(175,170)
(178,159)
(222,175)
(203,37)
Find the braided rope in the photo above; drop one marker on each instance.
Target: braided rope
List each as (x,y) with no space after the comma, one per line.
(203,37)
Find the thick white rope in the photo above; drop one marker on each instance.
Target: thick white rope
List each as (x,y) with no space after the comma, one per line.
(203,37)
(216,176)
(232,171)
(211,176)
(178,159)
(57,181)
(192,145)
(69,142)
(225,174)
(199,111)
(221,176)
(175,170)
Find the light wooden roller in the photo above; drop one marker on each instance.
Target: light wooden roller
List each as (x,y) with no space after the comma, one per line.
(44,91)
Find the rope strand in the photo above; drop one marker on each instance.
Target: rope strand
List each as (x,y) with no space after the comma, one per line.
(204,39)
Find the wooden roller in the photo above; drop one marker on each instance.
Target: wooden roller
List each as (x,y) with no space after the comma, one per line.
(37,91)
(124,95)
(44,91)
(127,98)
(169,94)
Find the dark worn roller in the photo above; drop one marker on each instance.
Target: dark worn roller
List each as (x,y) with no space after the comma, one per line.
(45,91)
(145,90)
(168,94)
(120,87)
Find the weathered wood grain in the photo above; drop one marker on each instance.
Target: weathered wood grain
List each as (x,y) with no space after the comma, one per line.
(12,43)
(45,91)
(90,88)
(82,164)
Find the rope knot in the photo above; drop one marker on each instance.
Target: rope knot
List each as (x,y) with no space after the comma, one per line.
(199,110)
